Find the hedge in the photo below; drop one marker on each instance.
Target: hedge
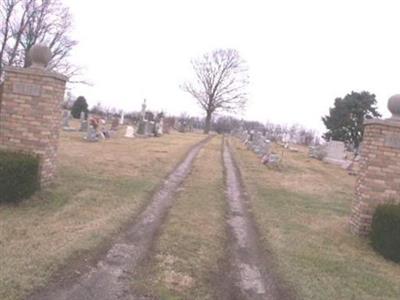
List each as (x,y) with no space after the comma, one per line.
(19,176)
(385,231)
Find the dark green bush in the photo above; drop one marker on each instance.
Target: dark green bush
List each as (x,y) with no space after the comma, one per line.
(385,231)
(19,176)
(80,105)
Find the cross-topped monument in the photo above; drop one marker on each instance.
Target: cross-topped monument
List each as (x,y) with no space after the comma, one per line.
(143,112)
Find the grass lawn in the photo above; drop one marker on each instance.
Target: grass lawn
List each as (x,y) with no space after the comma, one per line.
(302,211)
(185,261)
(100,187)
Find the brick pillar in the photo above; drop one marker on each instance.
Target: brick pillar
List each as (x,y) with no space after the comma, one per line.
(379,176)
(30,111)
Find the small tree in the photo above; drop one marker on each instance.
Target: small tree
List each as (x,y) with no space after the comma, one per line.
(221,80)
(345,120)
(80,105)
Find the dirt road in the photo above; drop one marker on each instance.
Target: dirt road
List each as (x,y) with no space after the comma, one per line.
(110,277)
(247,274)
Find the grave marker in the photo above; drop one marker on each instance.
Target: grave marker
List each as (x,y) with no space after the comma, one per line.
(130,132)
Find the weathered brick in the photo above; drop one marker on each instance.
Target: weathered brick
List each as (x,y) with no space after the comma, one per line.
(378,181)
(31,123)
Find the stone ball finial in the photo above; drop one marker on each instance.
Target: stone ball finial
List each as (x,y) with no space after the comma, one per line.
(394,107)
(40,55)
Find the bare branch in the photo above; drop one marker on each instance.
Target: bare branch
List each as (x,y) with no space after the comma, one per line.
(220,82)
(30,22)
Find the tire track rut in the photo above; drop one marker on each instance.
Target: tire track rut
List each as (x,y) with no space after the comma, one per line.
(110,278)
(249,276)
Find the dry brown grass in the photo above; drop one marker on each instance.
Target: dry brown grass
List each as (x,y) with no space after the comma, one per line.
(184,264)
(302,211)
(297,168)
(100,187)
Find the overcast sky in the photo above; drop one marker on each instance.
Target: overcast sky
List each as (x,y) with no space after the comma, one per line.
(301,54)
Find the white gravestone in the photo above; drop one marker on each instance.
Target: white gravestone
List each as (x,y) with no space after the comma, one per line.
(130,132)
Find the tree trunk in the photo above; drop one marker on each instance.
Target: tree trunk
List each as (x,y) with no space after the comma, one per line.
(208,123)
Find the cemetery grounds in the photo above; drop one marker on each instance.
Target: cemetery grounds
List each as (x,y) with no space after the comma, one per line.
(300,211)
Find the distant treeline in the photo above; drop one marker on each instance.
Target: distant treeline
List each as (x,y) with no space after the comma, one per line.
(274,132)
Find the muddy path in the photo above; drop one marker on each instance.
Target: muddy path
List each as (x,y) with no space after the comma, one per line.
(250,276)
(110,277)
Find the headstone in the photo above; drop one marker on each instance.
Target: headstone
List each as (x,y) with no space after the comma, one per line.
(84,122)
(166,126)
(259,144)
(143,112)
(317,152)
(251,135)
(121,120)
(151,128)
(130,132)
(66,117)
(159,126)
(149,116)
(271,160)
(146,124)
(335,153)
(84,126)
(143,127)
(274,159)
(245,137)
(91,135)
(103,132)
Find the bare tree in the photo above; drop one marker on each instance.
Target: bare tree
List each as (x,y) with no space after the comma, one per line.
(220,84)
(24,23)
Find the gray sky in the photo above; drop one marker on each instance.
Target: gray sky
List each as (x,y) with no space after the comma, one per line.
(301,54)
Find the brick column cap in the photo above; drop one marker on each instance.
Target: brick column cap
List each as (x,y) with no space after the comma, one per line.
(36,72)
(387,122)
